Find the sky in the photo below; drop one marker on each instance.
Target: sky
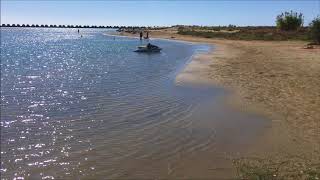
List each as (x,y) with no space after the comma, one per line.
(153,13)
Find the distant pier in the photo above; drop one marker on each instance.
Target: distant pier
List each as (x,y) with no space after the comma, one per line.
(69,26)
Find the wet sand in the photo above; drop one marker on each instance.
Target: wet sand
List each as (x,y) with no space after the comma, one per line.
(280,80)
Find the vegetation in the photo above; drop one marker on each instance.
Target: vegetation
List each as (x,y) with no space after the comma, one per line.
(231,27)
(315,30)
(246,33)
(289,21)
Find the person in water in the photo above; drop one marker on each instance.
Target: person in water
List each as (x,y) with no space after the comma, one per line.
(78,31)
(141,34)
(150,46)
(147,35)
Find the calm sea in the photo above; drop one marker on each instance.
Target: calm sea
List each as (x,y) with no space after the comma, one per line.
(89,107)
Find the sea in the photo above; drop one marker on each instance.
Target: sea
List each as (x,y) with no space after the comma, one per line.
(86,106)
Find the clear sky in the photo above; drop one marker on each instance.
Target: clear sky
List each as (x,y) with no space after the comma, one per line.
(150,13)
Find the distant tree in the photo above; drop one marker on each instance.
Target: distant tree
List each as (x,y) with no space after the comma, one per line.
(13,25)
(315,30)
(54,25)
(41,25)
(18,25)
(27,25)
(3,25)
(231,27)
(33,25)
(23,25)
(289,21)
(46,25)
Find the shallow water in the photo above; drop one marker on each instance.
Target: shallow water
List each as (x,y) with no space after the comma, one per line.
(80,107)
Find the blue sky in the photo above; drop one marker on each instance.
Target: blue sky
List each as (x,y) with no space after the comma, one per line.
(152,13)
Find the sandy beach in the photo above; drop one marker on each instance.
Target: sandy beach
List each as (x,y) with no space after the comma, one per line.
(160,90)
(279,79)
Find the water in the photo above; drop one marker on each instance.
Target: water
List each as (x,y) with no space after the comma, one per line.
(79,107)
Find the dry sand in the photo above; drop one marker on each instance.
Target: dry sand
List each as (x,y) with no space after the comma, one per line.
(279,79)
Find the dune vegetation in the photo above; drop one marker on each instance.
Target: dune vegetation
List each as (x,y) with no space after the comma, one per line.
(289,26)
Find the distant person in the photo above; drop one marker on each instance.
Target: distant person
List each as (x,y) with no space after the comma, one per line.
(147,37)
(150,46)
(78,31)
(141,34)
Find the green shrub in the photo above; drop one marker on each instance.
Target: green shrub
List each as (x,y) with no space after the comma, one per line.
(289,21)
(315,30)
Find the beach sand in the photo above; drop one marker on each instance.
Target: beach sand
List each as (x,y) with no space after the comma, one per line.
(279,79)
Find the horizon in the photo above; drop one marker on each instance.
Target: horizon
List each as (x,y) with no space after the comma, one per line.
(146,13)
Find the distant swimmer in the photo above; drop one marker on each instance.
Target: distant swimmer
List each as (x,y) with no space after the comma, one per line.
(147,37)
(141,34)
(78,31)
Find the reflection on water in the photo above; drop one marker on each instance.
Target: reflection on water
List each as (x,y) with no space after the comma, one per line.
(90,107)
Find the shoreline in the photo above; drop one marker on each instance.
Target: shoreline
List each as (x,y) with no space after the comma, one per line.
(278,79)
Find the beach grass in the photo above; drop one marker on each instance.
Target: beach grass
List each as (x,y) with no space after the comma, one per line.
(247,33)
